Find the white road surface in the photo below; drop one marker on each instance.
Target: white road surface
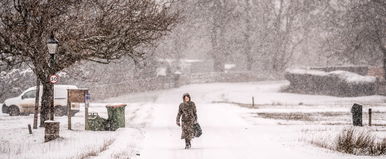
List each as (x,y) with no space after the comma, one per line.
(226,134)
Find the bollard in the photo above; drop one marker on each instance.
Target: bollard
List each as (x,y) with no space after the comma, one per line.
(29,129)
(356,111)
(370,117)
(51,130)
(253,101)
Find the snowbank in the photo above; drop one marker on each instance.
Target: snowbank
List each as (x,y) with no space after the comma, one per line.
(307,71)
(344,75)
(353,77)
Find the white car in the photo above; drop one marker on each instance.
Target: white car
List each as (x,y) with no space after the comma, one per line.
(25,102)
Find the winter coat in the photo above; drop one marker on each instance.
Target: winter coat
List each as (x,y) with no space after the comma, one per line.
(188,114)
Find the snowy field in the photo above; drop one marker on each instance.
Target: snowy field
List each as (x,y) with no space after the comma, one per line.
(280,125)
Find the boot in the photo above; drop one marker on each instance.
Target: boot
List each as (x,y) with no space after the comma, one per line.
(187,144)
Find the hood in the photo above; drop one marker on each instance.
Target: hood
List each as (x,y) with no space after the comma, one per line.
(12,101)
(188,95)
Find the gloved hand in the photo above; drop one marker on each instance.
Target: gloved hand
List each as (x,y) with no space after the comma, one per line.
(178,123)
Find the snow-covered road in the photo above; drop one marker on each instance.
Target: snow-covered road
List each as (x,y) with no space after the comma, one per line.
(226,133)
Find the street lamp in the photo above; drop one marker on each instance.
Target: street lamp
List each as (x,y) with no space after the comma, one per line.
(52,45)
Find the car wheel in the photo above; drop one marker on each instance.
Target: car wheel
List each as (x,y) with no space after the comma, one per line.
(60,111)
(13,111)
(4,109)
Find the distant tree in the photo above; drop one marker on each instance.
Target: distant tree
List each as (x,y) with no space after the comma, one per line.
(273,30)
(285,28)
(218,14)
(91,30)
(247,34)
(174,45)
(357,28)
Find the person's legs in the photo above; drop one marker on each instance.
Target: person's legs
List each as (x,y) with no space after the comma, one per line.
(187,143)
(188,133)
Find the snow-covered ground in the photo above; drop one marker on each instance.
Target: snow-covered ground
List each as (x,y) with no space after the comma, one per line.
(280,125)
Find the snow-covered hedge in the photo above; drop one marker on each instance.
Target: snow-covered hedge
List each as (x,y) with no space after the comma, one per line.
(336,83)
(102,91)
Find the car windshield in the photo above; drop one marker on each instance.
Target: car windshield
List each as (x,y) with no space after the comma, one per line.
(30,94)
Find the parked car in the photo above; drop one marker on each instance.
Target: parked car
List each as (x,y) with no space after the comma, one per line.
(24,104)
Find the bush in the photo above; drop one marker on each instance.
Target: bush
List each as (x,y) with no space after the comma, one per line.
(359,143)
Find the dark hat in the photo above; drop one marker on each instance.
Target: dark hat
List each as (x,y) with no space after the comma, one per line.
(186,95)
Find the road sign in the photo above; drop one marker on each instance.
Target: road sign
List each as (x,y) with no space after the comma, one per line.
(54,79)
(76,95)
(87,99)
(88,96)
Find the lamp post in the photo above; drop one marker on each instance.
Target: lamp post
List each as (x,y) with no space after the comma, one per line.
(52,45)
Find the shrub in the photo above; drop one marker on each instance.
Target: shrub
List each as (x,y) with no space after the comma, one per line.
(355,142)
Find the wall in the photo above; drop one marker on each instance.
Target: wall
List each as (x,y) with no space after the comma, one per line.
(141,85)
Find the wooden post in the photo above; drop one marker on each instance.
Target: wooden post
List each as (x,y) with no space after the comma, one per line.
(377,84)
(253,101)
(370,117)
(68,109)
(86,101)
(29,128)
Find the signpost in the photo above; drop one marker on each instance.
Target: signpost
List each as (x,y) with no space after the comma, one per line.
(77,96)
(87,99)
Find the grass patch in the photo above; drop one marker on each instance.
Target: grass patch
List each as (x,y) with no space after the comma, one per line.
(301,116)
(245,105)
(95,152)
(354,141)
(236,103)
(359,143)
(287,116)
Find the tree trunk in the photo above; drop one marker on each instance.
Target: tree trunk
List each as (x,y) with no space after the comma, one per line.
(250,61)
(384,66)
(383,49)
(218,59)
(47,108)
(218,65)
(35,122)
(247,36)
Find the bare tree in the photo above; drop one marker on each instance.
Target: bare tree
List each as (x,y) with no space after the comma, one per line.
(356,29)
(247,34)
(92,30)
(272,31)
(218,14)
(284,28)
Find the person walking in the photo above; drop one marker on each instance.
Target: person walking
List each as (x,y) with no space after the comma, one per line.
(187,113)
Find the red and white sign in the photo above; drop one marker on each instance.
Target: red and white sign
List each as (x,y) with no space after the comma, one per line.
(54,79)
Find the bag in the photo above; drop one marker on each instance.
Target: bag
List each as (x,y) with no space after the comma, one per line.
(197,130)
